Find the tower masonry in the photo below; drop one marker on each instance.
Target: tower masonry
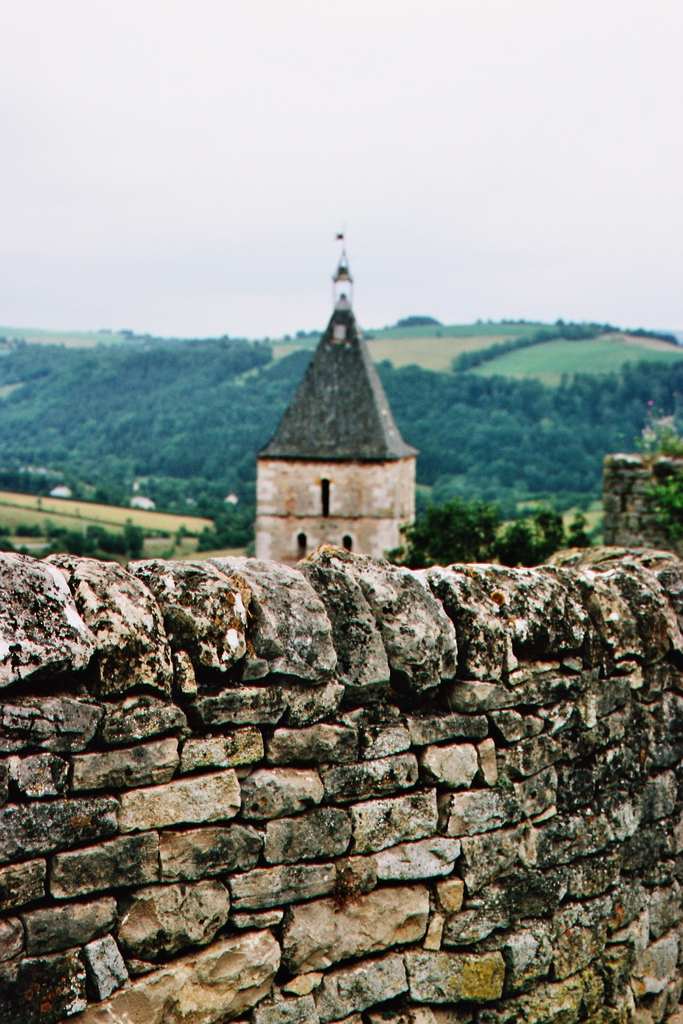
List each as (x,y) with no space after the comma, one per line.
(337,470)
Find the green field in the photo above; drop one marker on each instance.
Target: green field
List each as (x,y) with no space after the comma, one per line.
(70,339)
(433,348)
(551,360)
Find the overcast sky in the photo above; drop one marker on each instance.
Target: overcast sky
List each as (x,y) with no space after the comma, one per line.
(182,167)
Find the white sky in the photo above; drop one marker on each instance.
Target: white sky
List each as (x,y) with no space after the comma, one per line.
(181,166)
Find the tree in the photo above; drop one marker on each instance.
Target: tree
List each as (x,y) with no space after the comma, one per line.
(458,531)
(577,536)
(530,541)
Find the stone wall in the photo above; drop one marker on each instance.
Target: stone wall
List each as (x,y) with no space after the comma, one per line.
(628,519)
(236,790)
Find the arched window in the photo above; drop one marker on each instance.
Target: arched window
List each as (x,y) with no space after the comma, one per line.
(325,493)
(301,541)
(347,542)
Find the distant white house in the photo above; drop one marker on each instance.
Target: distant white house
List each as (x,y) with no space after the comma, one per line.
(231,499)
(61,492)
(139,501)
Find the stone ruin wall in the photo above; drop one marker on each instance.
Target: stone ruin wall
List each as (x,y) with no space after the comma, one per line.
(629,521)
(239,791)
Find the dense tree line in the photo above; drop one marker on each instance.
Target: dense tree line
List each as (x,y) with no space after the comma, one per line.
(192,416)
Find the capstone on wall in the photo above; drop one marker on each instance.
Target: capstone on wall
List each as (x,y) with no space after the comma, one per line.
(344,792)
(368,503)
(629,519)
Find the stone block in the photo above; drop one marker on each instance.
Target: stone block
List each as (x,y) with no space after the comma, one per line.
(22,883)
(204,613)
(528,955)
(163,919)
(105,967)
(275,792)
(370,778)
(488,765)
(320,744)
(485,857)
(303,984)
(319,934)
(381,823)
(202,798)
(202,852)
(659,797)
(37,828)
(479,810)
(427,728)
(473,924)
(361,658)
(249,705)
(528,757)
(206,987)
(474,697)
(537,793)
(148,764)
(352,989)
(184,673)
(40,628)
(44,989)
(665,910)
(383,740)
(422,1015)
(453,977)
(289,627)
(136,719)
(449,895)
(592,876)
(484,645)
(418,636)
(52,929)
(128,860)
(266,919)
(243,746)
(124,618)
(308,704)
(287,1011)
(11,938)
(513,726)
(40,775)
(263,888)
(565,839)
(575,948)
(428,858)
(656,966)
(47,723)
(454,766)
(322,833)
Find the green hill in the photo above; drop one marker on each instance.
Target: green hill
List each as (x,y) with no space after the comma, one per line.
(607,354)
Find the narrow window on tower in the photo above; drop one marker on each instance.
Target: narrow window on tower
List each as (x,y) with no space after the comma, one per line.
(347,542)
(301,541)
(325,491)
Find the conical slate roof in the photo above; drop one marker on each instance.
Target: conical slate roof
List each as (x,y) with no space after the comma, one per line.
(339,411)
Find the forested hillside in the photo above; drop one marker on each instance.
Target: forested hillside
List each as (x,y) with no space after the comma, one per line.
(190,417)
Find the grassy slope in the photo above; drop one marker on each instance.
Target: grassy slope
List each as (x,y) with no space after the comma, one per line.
(549,361)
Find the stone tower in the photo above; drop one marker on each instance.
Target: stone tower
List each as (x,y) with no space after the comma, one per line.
(337,470)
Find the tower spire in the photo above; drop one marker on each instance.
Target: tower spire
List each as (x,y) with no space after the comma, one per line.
(342,282)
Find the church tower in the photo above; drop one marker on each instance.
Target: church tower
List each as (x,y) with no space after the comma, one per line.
(337,470)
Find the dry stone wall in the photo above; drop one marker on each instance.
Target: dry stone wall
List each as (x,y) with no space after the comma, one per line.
(629,519)
(342,792)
